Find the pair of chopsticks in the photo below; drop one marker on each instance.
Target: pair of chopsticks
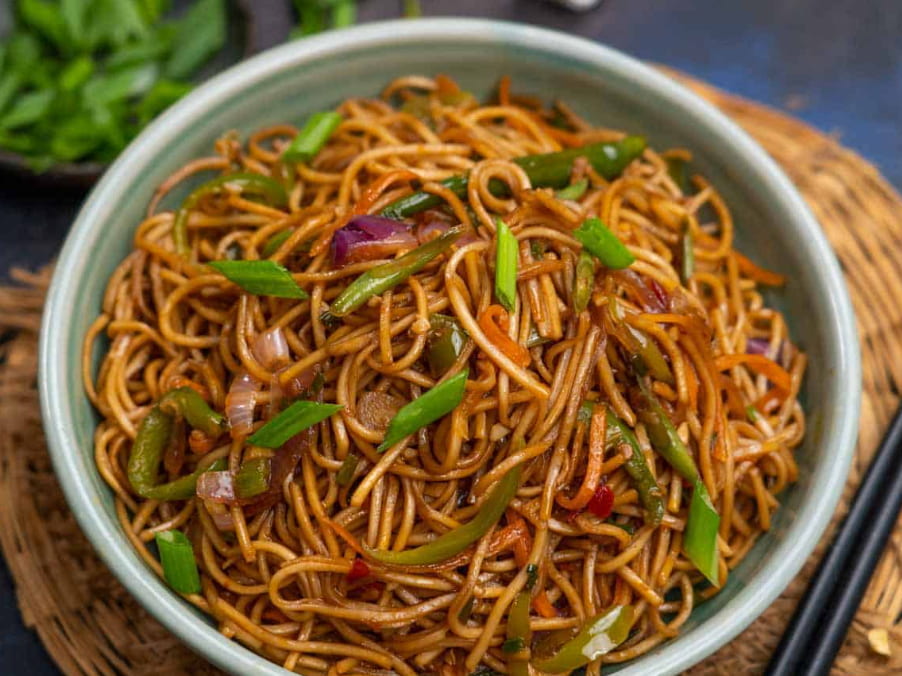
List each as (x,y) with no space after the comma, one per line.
(817,629)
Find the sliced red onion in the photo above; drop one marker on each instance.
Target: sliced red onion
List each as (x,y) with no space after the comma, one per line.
(223,520)
(216,486)
(271,349)
(240,403)
(367,238)
(648,294)
(434,228)
(757,346)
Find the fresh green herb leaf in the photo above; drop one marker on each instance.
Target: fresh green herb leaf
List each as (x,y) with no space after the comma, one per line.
(437,402)
(76,73)
(263,278)
(46,19)
(294,419)
(506,256)
(177,558)
(102,90)
(513,645)
(311,139)
(599,241)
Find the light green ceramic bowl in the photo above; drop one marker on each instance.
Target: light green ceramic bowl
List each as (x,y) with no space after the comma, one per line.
(773,227)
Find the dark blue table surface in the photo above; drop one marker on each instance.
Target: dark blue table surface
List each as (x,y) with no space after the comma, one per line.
(836,64)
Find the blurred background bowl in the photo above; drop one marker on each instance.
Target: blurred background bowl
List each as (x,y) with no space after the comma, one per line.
(773,226)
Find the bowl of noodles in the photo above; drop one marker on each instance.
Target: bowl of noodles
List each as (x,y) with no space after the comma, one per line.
(449,347)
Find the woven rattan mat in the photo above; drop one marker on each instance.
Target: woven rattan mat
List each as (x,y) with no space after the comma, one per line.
(90,625)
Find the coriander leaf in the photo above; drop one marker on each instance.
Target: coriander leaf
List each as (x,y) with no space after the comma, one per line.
(9,85)
(76,73)
(75,138)
(23,52)
(201,33)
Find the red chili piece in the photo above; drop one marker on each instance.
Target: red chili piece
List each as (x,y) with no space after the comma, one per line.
(359,570)
(601,503)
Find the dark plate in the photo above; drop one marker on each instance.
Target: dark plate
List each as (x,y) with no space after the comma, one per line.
(240,43)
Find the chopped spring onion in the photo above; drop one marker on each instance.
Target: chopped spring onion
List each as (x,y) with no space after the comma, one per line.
(439,401)
(751,413)
(532,575)
(311,139)
(513,645)
(585,280)
(687,255)
(263,278)
(253,477)
(296,418)
(177,557)
(506,255)
(599,241)
(700,540)
(574,191)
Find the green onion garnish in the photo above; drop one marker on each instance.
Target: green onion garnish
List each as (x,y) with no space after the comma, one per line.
(273,243)
(585,281)
(751,413)
(347,469)
(532,574)
(311,139)
(296,418)
(253,477)
(687,255)
(603,244)
(506,266)
(177,557)
(574,191)
(263,278)
(700,540)
(513,645)
(440,400)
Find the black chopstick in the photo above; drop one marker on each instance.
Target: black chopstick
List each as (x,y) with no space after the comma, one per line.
(817,629)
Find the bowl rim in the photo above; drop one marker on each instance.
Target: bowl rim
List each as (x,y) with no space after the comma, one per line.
(176,615)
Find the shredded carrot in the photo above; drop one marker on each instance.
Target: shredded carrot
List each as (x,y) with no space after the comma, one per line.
(773,395)
(494,322)
(377,187)
(543,606)
(734,399)
(345,535)
(523,542)
(758,363)
(691,383)
(504,90)
(759,274)
(444,85)
(531,270)
(181,381)
(597,430)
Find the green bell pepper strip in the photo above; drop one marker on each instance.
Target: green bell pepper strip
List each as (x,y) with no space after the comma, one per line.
(637,468)
(383,277)
(700,539)
(573,191)
(599,636)
(248,183)
(153,435)
(437,402)
(599,241)
(550,170)
(252,477)
(519,635)
(585,281)
(455,541)
(347,469)
(446,340)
